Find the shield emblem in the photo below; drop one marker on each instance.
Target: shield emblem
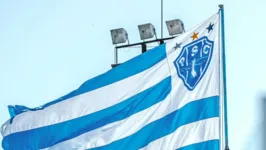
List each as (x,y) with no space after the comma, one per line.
(193,61)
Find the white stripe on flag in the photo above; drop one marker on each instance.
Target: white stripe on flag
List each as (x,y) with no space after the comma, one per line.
(192,133)
(91,102)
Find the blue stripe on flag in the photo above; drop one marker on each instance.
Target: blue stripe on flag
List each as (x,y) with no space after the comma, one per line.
(192,112)
(47,136)
(208,145)
(125,70)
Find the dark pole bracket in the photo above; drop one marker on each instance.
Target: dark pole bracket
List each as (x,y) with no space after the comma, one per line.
(143,46)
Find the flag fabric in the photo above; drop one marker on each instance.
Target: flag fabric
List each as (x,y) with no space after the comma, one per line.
(164,99)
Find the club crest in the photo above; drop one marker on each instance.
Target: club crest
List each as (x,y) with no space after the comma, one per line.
(193,61)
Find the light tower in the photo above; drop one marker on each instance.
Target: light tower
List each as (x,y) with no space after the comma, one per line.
(146,32)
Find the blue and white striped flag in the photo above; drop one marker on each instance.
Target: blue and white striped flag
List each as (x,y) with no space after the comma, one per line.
(164,99)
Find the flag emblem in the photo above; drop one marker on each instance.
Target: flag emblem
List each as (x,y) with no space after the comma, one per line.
(193,61)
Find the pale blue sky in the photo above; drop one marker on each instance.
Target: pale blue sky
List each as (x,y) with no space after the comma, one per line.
(48,48)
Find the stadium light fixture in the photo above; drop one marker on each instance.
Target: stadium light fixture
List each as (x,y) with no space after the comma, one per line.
(175,27)
(119,36)
(146,31)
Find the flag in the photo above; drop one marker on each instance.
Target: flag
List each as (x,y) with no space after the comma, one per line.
(164,99)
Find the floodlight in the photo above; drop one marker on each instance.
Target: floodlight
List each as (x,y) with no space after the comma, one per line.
(146,31)
(175,27)
(119,36)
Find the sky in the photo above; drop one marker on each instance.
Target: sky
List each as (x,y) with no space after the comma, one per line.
(48,48)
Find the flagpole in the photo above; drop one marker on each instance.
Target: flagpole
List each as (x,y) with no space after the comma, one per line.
(224,76)
(161,19)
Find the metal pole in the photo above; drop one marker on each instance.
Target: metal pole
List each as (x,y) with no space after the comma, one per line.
(115,56)
(264,122)
(161,18)
(224,77)
(146,42)
(143,48)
